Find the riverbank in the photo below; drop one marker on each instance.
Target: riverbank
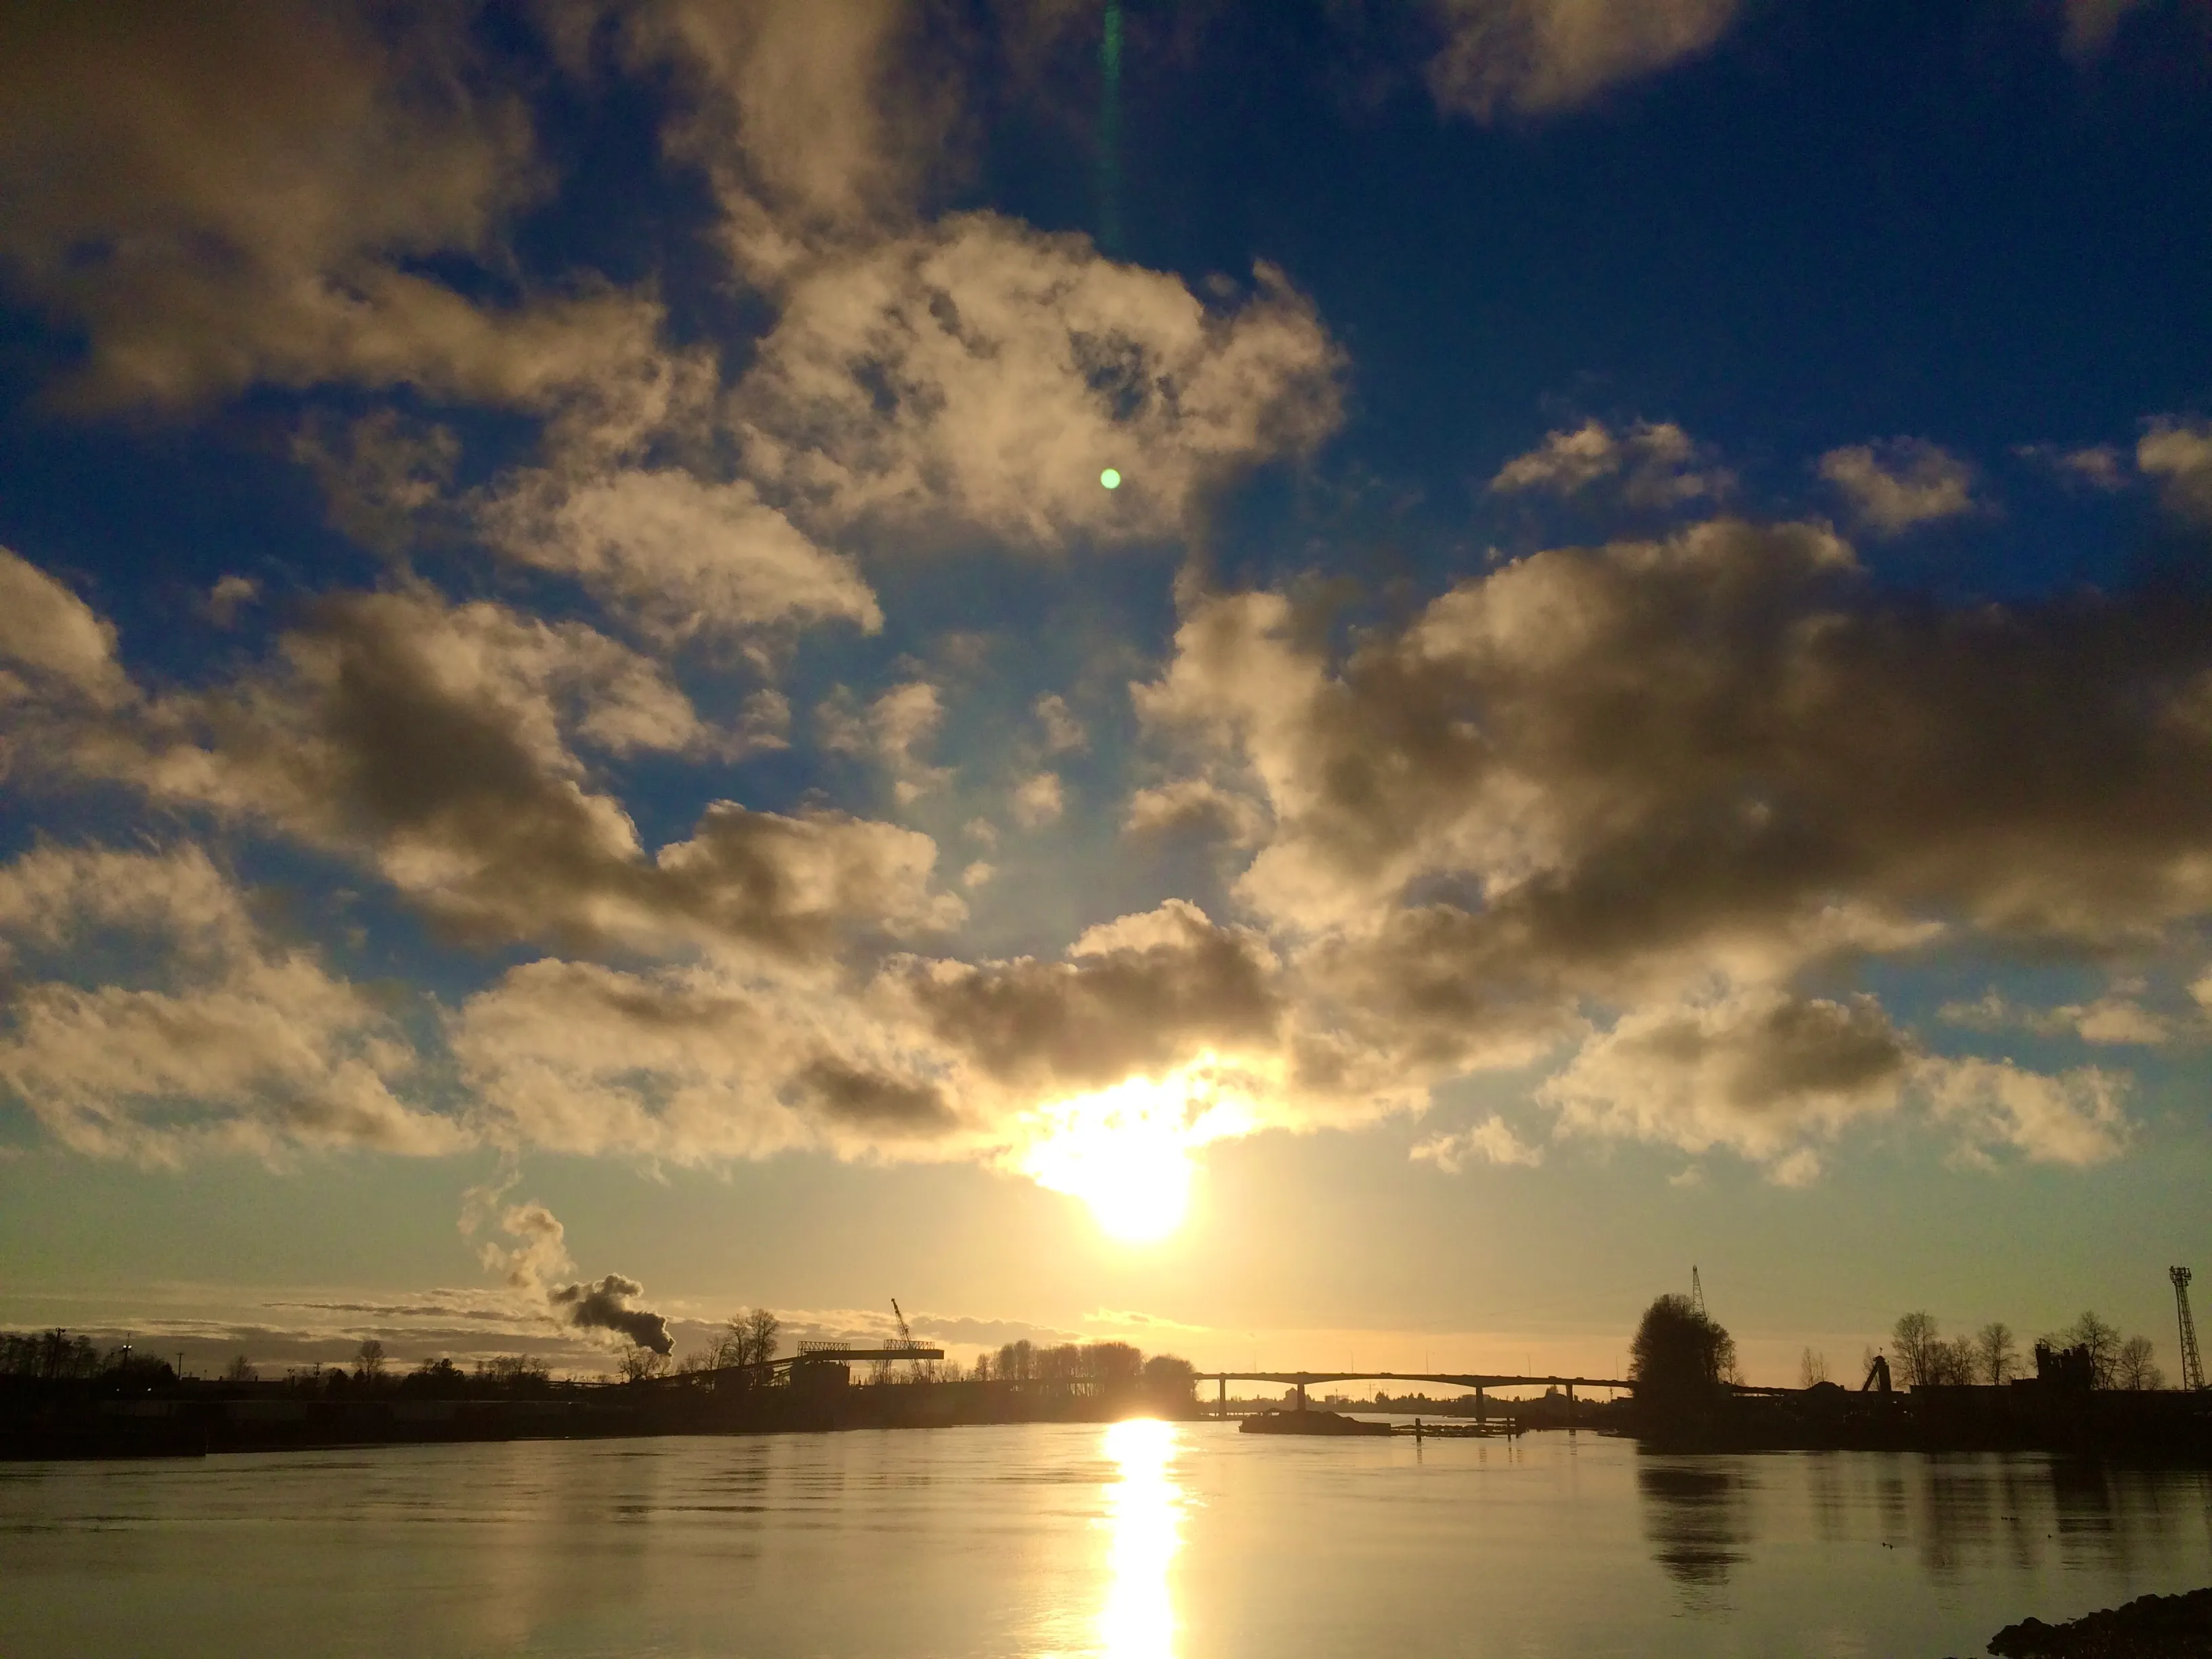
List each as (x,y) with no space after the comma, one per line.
(196,1420)
(2148,1627)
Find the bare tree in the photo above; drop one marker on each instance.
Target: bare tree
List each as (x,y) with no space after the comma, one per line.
(1913,1339)
(1812,1368)
(761,1329)
(2134,1368)
(242,1370)
(370,1359)
(641,1364)
(2103,1342)
(1995,1354)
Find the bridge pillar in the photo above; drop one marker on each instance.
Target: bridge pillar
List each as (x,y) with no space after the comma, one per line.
(1480,1412)
(1570,1409)
(1301,1390)
(1221,1384)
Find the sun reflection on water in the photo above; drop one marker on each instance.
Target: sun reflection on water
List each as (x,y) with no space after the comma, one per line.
(1145,1519)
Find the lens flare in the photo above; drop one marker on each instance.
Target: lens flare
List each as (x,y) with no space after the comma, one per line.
(1126,1151)
(1110,478)
(1145,1514)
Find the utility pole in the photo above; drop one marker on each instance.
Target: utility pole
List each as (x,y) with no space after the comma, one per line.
(1697,1293)
(2192,1364)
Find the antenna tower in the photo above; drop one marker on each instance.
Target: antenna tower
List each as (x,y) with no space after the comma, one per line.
(2192,1364)
(1697,1293)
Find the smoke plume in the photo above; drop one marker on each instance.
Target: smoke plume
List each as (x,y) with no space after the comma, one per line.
(604,1306)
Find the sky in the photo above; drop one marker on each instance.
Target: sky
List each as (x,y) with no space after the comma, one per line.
(1328,684)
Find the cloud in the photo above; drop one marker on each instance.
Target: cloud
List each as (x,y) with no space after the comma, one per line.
(1652,466)
(1038,800)
(1197,805)
(2114,1019)
(689,1064)
(243,191)
(1490,1141)
(1063,732)
(48,632)
(977,376)
(895,726)
(1758,1072)
(814,127)
(683,556)
(1533,57)
(2076,1118)
(227,1043)
(2095,466)
(2091,24)
(2179,454)
(1894,486)
(440,745)
(229,596)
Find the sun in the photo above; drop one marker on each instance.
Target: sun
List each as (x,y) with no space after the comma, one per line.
(1126,1151)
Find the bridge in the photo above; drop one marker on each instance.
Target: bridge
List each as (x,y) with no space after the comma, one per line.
(1481,1383)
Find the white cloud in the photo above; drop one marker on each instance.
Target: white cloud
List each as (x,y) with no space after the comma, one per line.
(979,375)
(2074,1118)
(230,1043)
(54,635)
(1490,1141)
(1894,486)
(684,556)
(1536,57)
(891,729)
(1062,731)
(2179,454)
(1650,465)
(1038,800)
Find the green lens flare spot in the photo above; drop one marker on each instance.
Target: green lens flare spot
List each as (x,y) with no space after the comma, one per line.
(1110,478)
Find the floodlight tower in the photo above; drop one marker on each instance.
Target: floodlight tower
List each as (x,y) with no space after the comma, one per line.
(1697,1293)
(2192,1364)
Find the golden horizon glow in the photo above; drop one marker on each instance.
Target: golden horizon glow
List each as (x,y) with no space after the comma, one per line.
(1126,1151)
(1145,1516)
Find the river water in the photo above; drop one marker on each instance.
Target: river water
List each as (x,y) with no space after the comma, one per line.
(1137,1541)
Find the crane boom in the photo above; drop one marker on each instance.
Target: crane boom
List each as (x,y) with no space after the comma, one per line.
(905,1335)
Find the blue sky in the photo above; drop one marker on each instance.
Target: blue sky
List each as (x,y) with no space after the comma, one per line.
(574,703)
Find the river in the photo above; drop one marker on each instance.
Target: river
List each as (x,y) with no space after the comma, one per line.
(1138,1540)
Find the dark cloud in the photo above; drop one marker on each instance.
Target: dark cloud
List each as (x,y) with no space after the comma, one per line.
(440,745)
(1139,995)
(245,190)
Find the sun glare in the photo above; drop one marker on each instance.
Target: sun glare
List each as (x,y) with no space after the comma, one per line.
(1126,1151)
(1145,1513)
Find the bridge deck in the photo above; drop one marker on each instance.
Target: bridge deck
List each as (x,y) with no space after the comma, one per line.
(1450,1379)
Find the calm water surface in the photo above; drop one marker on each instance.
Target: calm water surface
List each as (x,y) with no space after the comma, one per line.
(1138,1542)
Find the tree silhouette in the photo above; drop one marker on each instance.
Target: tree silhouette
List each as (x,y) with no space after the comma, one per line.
(1680,1358)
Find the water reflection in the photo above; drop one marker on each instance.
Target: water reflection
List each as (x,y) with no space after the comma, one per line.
(1144,1517)
(1694,1516)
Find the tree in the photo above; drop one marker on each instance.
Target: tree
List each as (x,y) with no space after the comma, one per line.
(1994,1353)
(242,1370)
(641,1364)
(1170,1378)
(2134,1367)
(370,1358)
(1913,1340)
(1679,1357)
(1812,1368)
(2102,1342)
